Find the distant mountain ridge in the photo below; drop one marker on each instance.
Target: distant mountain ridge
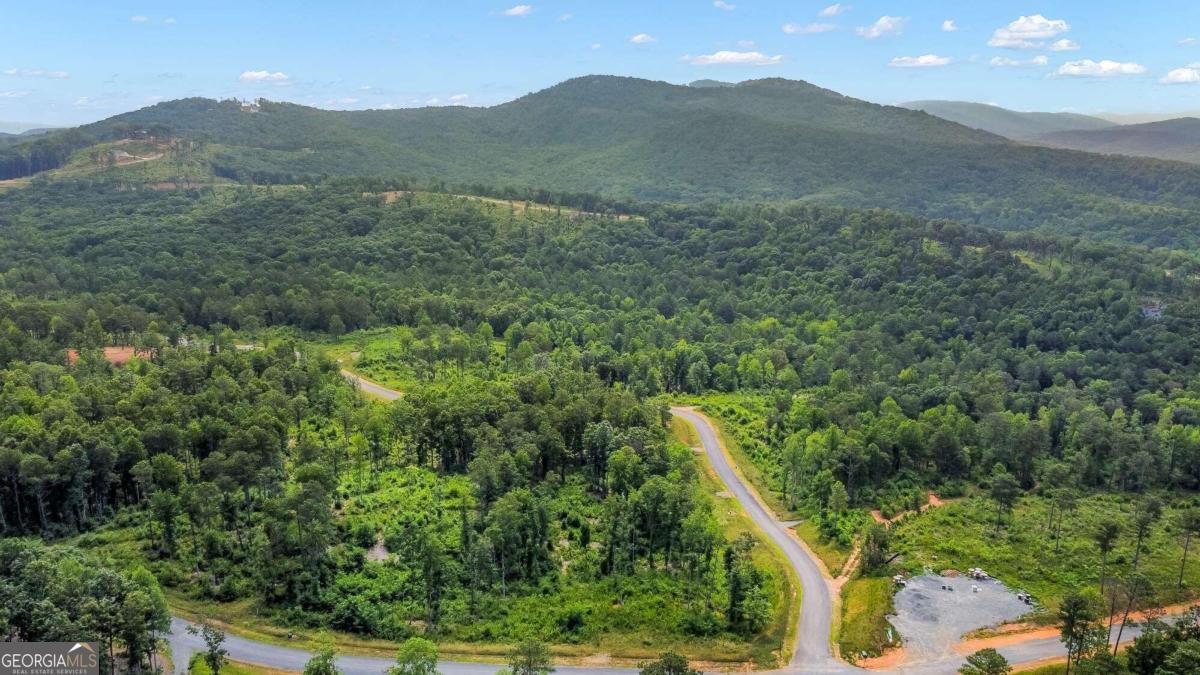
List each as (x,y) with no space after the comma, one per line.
(1176,139)
(1008,123)
(761,140)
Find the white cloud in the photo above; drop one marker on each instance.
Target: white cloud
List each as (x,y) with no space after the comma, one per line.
(459,98)
(37,72)
(1028,32)
(1005,62)
(1064,45)
(91,103)
(948,26)
(566,17)
(518,10)
(808,29)
(13,94)
(432,101)
(263,76)
(366,87)
(643,38)
(721,4)
(596,45)
(139,18)
(347,100)
(728,58)
(746,44)
(1105,68)
(1188,42)
(926,61)
(170,20)
(885,25)
(1187,75)
(834,9)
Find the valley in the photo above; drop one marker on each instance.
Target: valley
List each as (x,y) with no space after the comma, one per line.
(600,338)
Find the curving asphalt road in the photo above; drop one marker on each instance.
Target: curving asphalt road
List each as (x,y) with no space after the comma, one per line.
(371,388)
(812,653)
(812,648)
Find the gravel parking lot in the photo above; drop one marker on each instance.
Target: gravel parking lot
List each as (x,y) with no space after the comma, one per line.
(932,620)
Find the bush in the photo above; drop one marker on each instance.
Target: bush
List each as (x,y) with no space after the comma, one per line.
(702,623)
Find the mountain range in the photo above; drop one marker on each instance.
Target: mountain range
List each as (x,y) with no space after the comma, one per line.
(1009,123)
(1172,139)
(766,140)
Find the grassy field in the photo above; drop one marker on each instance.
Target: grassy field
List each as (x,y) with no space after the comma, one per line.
(866,602)
(1025,555)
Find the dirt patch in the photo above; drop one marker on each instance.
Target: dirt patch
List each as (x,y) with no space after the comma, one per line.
(933,503)
(378,552)
(1016,633)
(890,660)
(848,569)
(176,185)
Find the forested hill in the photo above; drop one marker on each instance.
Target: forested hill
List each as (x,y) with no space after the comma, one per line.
(524,485)
(629,138)
(1177,139)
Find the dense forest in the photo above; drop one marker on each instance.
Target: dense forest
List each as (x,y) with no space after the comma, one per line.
(627,138)
(529,459)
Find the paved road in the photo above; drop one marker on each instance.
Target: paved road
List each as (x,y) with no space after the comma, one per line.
(812,650)
(372,388)
(184,644)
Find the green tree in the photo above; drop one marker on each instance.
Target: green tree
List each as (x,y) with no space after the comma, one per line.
(876,548)
(1079,623)
(416,656)
(1185,660)
(530,658)
(1105,537)
(323,662)
(214,640)
(1004,491)
(1189,522)
(1147,513)
(986,662)
(669,663)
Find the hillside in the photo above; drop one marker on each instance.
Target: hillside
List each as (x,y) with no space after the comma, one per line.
(1008,123)
(1177,139)
(629,138)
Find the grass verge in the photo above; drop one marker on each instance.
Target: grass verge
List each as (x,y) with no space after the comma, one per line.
(865,630)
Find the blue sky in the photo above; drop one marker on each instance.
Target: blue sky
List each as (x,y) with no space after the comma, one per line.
(72,62)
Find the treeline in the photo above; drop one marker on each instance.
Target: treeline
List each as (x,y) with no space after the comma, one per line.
(45,152)
(923,352)
(60,594)
(898,352)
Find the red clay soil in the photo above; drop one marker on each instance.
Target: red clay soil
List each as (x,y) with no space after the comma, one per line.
(118,356)
(890,660)
(1016,633)
(933,503)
